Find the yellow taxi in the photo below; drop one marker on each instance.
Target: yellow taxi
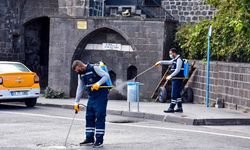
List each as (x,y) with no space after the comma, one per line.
(18,83)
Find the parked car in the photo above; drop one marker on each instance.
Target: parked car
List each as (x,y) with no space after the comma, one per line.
(18,83)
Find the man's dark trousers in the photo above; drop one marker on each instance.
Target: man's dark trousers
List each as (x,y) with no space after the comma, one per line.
(177,85)
(95,117)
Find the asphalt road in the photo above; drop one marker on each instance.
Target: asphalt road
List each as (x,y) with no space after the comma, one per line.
(47,127)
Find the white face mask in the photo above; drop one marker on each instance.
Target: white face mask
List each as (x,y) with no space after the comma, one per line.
(171,56)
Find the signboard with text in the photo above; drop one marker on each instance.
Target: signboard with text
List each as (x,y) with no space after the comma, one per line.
(111,46)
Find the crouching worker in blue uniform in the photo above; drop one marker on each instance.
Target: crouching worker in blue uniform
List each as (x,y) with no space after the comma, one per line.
(177,76)
(91,77)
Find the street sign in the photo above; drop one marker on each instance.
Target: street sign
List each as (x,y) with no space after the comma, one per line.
(111,46)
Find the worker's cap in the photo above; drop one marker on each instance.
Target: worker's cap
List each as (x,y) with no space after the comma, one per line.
(173,50)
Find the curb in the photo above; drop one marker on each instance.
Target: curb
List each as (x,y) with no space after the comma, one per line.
(166,118)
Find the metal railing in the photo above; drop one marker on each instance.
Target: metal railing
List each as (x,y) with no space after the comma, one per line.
(155,11)
(96,8)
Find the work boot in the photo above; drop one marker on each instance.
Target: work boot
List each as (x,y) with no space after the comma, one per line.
(179,110)
(179,104)
(169,110)
(87,142)
(98,145)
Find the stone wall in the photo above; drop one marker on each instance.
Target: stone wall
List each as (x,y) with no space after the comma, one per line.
(229,81)
(9,31)
(13,14)
(145,37)
(73,7)
(188,10)
(34,9)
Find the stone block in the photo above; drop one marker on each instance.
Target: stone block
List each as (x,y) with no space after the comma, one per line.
(173,7)
(189,8)
(165,3)
(79,12)
(172,3)
(204,13)
(186,13)
(62,3)
(184,3)
(174,12)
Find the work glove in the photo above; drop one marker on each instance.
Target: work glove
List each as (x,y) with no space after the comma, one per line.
(95,86)
(158,64)
(76,108)
(168,78)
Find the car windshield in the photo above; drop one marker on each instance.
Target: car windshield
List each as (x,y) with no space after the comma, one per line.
(12,67)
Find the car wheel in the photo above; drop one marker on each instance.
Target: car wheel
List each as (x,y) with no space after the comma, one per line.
(30,102)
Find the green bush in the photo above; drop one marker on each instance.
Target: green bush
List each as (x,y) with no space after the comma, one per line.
(231,33)
(50,93)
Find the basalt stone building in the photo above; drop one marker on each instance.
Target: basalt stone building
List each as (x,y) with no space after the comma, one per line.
(128,35)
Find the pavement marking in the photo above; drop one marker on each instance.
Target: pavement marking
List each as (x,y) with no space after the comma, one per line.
(39,115)
(133,125)
(185,130)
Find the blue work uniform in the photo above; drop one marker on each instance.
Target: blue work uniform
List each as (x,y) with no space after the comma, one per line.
(97,103)
(177,76)
(177,84)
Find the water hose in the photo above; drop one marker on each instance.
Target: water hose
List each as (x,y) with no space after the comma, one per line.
(143,72)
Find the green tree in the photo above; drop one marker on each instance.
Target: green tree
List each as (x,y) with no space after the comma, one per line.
(231,33)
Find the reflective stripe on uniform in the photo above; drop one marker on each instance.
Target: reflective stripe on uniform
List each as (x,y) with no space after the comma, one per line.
(90,129)
(100,129)
(181,69)
(88,73)
(179,100)
(173,101)
(99,133)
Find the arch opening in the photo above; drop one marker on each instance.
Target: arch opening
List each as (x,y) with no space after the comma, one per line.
(107,45)
(131,72)
(36,47)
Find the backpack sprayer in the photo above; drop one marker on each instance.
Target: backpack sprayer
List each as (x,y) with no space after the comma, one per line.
(105,68)
(108,82)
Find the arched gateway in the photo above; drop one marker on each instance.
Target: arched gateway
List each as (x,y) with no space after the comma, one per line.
(107,45)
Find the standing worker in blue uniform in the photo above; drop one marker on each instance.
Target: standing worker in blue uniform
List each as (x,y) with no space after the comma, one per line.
(177,76)
(91,77)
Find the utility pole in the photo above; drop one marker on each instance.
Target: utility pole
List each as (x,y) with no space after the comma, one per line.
(208,66)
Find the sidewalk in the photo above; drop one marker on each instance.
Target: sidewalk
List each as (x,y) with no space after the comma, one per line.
(194,114)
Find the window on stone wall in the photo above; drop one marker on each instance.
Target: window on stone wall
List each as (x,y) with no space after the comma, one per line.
(113,11)
(131,72)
